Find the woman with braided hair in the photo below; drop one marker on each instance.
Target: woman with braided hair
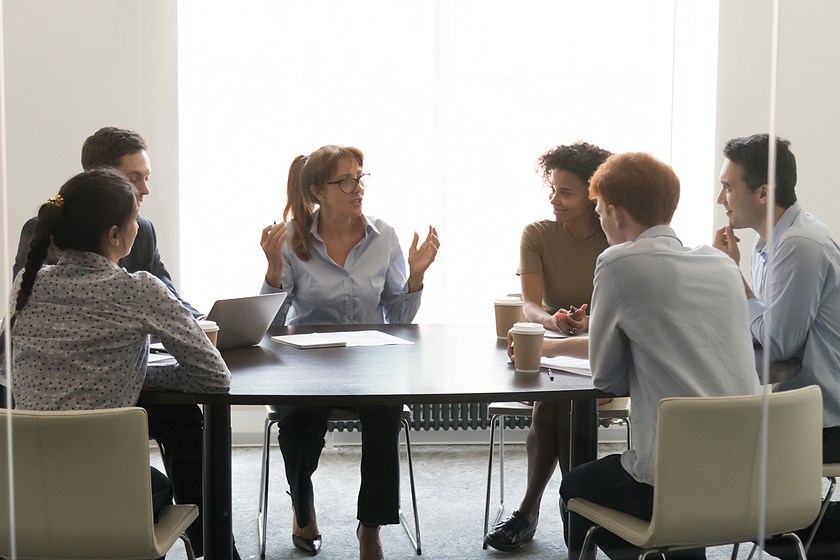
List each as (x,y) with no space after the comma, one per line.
(80,328)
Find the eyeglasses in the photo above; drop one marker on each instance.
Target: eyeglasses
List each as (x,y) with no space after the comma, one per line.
(348,185)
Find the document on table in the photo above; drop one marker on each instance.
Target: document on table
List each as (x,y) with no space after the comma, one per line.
(554,334)
(564,363)
(337,339)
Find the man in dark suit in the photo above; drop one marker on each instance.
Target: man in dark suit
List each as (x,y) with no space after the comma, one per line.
(124,150)
(176,428)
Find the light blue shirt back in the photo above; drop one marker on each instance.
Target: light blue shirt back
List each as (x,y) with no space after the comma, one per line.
(667,321)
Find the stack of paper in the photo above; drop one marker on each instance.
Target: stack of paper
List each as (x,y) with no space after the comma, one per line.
(564,363)
(337,339)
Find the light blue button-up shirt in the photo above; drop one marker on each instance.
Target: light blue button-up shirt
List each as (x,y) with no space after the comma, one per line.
(797,286)
(371,287)
(667,321)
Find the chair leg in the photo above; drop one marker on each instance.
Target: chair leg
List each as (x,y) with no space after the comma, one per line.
(823,508)
(800,549)
(627,421)
(188,546)
(415,536)
(587,549)
(501,509)
(262,511)
(494,420)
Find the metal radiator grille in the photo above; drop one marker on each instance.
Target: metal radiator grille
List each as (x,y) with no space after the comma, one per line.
(457,416)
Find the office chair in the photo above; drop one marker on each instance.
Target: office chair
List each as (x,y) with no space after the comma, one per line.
(708,475)
(82,488)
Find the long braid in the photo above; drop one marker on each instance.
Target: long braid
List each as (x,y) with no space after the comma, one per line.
(49,217)
(86,207)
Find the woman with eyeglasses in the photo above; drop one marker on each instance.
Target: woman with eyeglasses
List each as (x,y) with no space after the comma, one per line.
(341,266)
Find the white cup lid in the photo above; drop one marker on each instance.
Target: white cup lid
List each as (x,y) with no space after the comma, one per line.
(208,326)
(528,328)
(508,300)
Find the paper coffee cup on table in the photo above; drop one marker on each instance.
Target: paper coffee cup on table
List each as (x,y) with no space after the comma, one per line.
(211,329)
(508,312)
(527,346)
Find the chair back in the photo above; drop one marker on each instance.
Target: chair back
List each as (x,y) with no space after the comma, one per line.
(709,461)
(82,485)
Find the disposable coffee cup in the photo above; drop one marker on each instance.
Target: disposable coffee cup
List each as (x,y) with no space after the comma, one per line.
(211,329)
(508,312)
(527,346)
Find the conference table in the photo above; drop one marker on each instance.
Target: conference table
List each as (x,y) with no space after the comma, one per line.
(446,363)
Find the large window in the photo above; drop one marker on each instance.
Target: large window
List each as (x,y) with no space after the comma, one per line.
(452,103)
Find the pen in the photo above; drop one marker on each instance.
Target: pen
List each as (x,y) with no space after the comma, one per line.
(550,374)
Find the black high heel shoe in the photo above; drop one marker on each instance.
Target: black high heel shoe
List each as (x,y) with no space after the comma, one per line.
(312,546)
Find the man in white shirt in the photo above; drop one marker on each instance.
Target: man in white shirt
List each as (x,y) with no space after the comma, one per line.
(667,321)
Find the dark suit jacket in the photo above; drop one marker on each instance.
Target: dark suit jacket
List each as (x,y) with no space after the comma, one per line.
(144,255)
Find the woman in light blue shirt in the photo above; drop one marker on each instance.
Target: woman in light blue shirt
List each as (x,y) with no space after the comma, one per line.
(340,266)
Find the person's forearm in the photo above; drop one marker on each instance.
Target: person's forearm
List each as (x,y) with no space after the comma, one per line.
(274,276)
(415,283)
(536,314)
(575,347)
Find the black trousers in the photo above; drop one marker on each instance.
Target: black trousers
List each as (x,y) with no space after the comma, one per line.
(302,430)
(606,482)
(177,429)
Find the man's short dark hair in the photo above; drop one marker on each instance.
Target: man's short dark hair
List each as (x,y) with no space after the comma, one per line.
(752,153)
(106,146)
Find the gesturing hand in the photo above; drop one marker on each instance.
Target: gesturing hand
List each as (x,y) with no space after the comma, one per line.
(273,238)
(420,258)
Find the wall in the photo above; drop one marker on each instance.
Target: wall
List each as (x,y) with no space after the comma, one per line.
(73,67)
(808,113)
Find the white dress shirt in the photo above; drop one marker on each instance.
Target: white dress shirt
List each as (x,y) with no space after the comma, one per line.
(797,286)
(667,321)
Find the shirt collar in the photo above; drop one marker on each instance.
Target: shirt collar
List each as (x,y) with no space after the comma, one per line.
(659,231)
(781,226)
(370,227)
(85,258)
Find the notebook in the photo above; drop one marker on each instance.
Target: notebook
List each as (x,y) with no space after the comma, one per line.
(243,321)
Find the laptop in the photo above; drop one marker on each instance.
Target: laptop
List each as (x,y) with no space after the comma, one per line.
(243,321)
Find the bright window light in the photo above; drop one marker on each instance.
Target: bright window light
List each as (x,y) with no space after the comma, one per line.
(451,102)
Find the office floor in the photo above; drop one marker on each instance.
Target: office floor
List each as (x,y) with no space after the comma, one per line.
(450,482)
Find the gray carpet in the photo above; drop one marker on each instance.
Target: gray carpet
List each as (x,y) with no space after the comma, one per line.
(450,482)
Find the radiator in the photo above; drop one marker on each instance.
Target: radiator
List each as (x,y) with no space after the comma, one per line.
(457,416)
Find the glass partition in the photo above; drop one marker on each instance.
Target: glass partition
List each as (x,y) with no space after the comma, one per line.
(451,101)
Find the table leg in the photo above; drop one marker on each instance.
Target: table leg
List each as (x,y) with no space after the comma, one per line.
(584,448)
(218,519)
(584,428)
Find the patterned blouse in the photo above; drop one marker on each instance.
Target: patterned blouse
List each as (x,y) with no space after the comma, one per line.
(82,340)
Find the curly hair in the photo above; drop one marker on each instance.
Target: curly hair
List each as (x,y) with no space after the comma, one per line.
(580,158)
